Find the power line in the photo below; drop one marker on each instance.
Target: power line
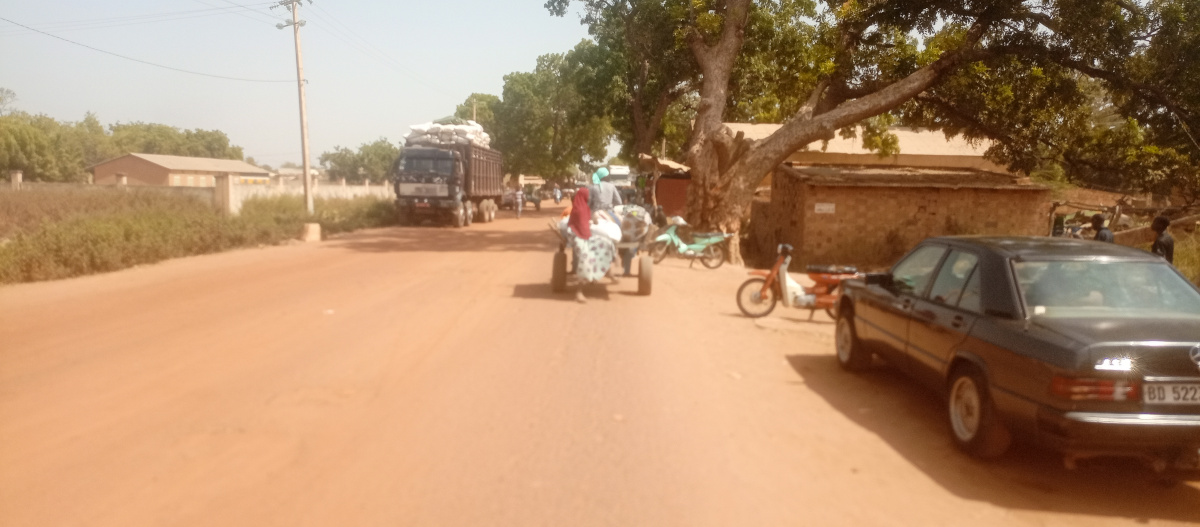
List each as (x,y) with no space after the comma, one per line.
(103,23)
(139,60)
(336,28)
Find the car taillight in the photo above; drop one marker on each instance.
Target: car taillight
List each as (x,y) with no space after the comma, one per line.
(1084,389)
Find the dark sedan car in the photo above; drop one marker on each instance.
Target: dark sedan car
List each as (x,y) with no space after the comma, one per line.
(1092,349)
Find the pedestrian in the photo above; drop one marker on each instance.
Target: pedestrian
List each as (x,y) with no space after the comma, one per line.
(592,253)
(605,197)
(557,194)
(1102,232)
(1164,244)
(519,200)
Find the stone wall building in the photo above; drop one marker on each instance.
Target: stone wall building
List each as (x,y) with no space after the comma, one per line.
(847,205)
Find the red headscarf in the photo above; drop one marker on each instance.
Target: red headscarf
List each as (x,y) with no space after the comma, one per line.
(581,215)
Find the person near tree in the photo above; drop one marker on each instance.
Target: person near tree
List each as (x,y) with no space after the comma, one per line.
(1164,244)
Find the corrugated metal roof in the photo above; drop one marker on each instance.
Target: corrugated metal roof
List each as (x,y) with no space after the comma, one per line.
(201,164)
(912,142)
(865,176)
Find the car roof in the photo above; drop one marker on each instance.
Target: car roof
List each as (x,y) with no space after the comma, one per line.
(1045,247)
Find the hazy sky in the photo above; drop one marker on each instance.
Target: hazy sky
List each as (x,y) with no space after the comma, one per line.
(373,67)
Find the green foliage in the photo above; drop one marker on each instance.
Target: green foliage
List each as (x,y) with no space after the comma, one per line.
(371,162)
(63,233)
(1187,256)
(484,108)
(49,150)
(543,125)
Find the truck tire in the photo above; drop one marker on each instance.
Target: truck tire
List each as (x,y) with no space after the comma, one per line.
(468,214)
(558,275)
(645,274)
(458,217)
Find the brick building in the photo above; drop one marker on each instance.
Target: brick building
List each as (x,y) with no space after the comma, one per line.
(844,204)
(173,171)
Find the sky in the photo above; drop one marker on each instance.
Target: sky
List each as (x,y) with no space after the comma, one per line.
(373,68)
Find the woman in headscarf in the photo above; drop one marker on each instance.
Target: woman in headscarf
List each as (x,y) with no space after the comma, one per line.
(593,254)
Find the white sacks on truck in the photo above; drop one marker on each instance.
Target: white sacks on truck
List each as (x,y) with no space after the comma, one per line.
(433,134)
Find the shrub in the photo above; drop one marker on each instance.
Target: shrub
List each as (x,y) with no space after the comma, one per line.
(1187,256)
(61,234)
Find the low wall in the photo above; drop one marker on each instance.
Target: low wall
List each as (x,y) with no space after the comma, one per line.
(202,193)
(230,197)
(1143,237)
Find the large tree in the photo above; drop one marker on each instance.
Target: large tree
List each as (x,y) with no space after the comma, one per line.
(635,68)
(370,163)
(872,65)
(543,126)
(480,107)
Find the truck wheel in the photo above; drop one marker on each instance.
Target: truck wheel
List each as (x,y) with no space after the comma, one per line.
(468,214)
(458,217)
(645,275)
(538,206)
(558,275)
(974,426)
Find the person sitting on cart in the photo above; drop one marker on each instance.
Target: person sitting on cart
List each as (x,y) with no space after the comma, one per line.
(593,254)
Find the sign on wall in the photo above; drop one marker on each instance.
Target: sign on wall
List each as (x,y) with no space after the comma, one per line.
(825,208)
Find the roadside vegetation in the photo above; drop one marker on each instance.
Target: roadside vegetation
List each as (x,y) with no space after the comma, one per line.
(1187,255)
(49,235)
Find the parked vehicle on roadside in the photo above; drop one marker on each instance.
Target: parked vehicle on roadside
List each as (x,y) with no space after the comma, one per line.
(451,184)
(708,247)
(758,296)
(531,198)
(1092,349)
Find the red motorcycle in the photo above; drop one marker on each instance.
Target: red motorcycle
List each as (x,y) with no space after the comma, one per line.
(757,296)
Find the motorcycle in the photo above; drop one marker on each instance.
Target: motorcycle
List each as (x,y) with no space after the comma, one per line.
(708,247)
(757,296)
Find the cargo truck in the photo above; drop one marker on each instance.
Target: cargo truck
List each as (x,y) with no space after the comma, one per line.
(448,184)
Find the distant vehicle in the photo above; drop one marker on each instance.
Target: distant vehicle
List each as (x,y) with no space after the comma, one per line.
(531,198)
(620,175)
(448,184)
(1092,349)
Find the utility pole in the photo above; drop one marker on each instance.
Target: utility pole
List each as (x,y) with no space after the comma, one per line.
(295,23)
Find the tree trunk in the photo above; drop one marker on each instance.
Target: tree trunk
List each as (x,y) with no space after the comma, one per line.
(726,168)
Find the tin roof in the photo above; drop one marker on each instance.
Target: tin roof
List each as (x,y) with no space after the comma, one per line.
(200,164)
(912,177)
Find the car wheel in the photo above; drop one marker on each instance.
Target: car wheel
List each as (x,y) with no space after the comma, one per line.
(974,426)
(851,354)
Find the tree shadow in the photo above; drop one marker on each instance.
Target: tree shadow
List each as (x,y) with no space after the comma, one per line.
(910,419)
(543,291)
(476,238)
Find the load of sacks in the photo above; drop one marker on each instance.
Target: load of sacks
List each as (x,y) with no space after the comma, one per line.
(435,134)
(630,224)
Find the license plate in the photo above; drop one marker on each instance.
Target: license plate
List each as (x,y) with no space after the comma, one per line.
(1167,393)
(423,205)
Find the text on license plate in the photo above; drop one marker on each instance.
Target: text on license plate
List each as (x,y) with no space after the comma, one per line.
(1166,393)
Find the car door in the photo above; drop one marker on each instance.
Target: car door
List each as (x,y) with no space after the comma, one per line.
(886,310)
(942,318)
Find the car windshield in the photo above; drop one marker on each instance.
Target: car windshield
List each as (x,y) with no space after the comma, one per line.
(1083,288)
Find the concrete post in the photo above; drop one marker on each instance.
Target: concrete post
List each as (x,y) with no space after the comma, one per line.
(14,178)
(123,181)
(223,194)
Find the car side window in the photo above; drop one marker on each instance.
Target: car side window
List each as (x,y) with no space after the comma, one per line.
(948,287)
(913,273)
(972,296)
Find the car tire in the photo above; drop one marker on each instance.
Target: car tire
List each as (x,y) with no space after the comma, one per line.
(851,354)
(974,426)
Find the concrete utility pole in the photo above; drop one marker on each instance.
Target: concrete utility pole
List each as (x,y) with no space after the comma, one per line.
(295,23)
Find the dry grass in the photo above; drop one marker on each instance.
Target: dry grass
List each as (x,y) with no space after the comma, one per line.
(1187,255)
(47,235)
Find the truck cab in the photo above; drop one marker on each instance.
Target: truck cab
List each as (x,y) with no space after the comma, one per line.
(429,185)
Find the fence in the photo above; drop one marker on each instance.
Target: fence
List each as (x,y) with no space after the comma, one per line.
(230,197)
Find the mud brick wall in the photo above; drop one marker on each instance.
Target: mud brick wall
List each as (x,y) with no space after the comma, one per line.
(872,226)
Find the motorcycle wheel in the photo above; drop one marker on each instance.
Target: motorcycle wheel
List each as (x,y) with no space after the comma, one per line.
(659,251)
(713,256)
(752,303)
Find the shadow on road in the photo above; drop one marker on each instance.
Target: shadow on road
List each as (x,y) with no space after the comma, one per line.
(909,418)
(475,238)
(544,292)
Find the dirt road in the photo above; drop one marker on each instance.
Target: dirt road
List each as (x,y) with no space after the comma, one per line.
(428,377)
